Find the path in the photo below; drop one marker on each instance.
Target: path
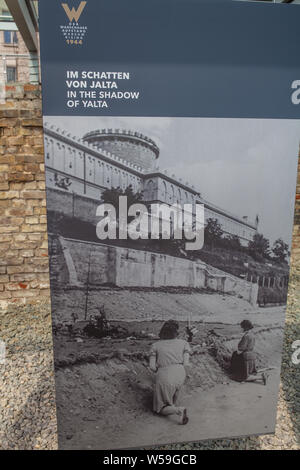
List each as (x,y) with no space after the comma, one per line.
(218,412)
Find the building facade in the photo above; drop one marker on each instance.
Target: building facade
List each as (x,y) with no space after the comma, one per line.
(14,55)
(111,158)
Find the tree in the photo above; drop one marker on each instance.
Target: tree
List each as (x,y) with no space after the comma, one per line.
(280,250)
(233,242)
(259,246)
(212,232)
(111,196)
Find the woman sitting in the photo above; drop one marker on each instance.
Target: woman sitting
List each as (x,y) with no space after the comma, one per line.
(168,358)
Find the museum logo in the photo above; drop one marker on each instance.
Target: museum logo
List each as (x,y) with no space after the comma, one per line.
(74,32)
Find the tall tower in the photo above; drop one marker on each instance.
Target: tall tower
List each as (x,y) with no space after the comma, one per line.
(131,146)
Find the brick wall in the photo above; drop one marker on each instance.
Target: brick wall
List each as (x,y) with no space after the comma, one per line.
(23,237)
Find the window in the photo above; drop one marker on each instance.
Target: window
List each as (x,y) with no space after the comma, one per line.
(172,194)
(11,74)
(150,190)
(10,37)
(6,13)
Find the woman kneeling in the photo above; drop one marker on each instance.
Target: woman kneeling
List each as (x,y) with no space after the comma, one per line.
(168,358)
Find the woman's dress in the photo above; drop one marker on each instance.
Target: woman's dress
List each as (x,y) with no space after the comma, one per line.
(171,374)
(243,360)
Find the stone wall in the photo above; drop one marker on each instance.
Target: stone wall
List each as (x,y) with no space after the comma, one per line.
(23,237)
(101,264)
(131,146)
(72,204)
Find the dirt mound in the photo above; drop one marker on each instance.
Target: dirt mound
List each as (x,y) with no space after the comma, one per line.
(117,389)
(143,306)
(107,393)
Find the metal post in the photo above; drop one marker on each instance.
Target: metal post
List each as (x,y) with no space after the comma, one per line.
(84,172)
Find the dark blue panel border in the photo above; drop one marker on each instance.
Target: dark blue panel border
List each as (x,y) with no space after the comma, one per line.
(186,57)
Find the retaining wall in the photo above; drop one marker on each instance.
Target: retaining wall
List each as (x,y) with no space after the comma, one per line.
(124,267)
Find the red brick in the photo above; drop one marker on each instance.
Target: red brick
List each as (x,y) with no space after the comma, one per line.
(30,87)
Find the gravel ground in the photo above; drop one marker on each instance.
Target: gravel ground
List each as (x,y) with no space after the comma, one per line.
(27,395)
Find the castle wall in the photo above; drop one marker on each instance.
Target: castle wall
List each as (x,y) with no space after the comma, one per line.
(159,188)
(85,169)
(129,146)
(130,151)
(75,167)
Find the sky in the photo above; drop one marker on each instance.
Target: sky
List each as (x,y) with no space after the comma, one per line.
(246,166)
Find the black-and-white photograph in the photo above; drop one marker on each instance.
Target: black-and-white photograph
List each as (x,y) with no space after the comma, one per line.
(159,337)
